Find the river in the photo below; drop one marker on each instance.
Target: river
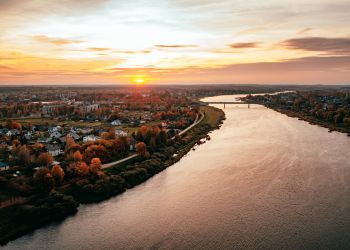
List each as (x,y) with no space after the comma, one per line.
(264,181)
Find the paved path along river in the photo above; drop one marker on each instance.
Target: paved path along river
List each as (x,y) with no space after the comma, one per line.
(263,181)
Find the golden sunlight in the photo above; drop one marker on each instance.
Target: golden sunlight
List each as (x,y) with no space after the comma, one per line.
(138,79)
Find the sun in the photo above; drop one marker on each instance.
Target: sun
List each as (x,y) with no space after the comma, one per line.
(138,79)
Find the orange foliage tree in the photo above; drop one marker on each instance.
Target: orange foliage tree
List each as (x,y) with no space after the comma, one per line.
(95,165)
(57,174)
(45,159)
(141,149)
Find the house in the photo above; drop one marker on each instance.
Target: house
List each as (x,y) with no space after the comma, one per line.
(47,109)
(54,149)
(4,166)
(90,138)
(28,136)
(55,134)
(3,131)
(116,123)
(85,131)
(54,129)
(120,133)
(74,135)
(89,108)
(13,132)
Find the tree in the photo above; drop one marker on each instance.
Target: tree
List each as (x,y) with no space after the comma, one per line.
(105,135)
(16,143)
(17,125)
(95,151)
(45,159)
(71,147)
(141,148)
(77,157)
(24,156)
(111,134)
(95,165)
(43,180)
(38,147)
(57,174)
(81,169)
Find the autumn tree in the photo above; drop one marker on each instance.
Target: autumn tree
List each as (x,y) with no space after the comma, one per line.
(23,156)
(141,149)
(71,147)
(44,159)
(95,151)
(80,168)
(17,125)
(57,174)
(38,148)
(43,180)
(77,157)
(95,165)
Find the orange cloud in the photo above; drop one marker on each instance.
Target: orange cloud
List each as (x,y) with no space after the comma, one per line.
(175,46)
(335,46)
(54,40)
(132,51)
(243,45)
(98,49)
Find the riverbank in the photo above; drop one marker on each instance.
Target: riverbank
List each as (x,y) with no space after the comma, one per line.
(18,220)
(312,120)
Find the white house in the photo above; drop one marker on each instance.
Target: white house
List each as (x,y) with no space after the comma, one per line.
(116,123)
(90,138)
(120,133)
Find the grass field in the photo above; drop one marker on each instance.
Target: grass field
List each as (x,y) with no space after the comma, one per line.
(55,122)
(211,115)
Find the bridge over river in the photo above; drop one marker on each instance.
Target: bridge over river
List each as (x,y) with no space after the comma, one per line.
(228,102)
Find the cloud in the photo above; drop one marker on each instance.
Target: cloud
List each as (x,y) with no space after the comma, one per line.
(244,45)
(335,46)
(132,51)
(98,49)
(303,31)
(45,7)
(54,40)
(175,46)
(306,70)
(2,67)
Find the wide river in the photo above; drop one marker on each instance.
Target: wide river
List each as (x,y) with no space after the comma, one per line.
(263,181)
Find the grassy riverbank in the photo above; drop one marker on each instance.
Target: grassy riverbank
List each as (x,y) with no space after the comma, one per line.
(20,219)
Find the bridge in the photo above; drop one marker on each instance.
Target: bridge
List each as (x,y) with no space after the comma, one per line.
(228,102)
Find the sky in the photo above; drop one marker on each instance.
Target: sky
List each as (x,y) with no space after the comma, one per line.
(174,42)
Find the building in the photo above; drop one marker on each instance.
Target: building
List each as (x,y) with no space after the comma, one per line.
(120,133)
(90,138)
(54,149)
(116,123)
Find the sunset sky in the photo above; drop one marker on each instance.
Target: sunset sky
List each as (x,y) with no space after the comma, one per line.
(174,41)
